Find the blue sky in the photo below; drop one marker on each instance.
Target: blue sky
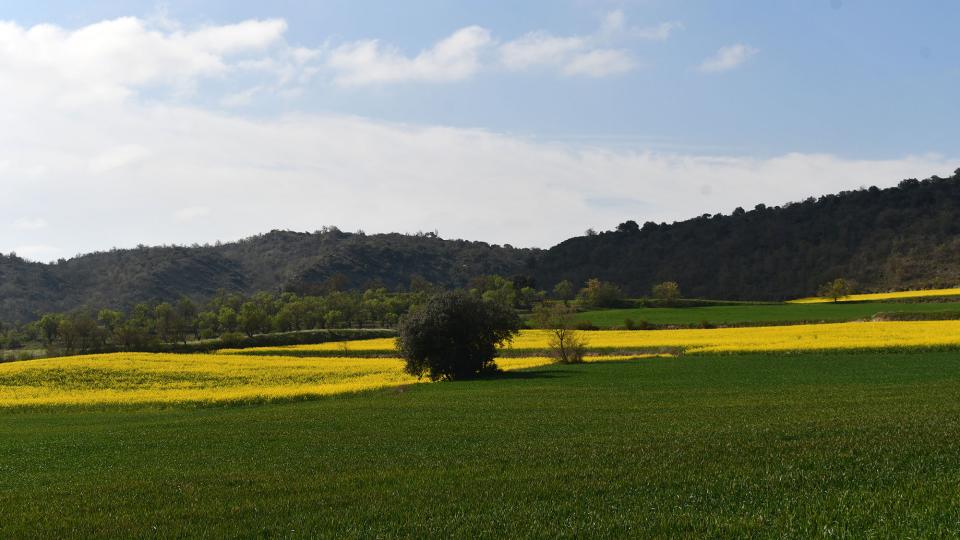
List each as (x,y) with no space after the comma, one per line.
(619,110)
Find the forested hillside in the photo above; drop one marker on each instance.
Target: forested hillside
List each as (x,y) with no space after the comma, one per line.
(883,239)
(279,260)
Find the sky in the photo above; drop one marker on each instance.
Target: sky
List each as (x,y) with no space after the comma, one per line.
(136,122)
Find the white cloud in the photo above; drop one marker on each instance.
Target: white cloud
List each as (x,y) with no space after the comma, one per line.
(538,48)
(660,32)
(615,25)
(117,157)
(589,55)
(599,63)
(112,60)
(30,224)
(454,58)
(728,58)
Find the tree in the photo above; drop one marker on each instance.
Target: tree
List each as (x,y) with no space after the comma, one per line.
(166,319)
(564,291)
(836,289)
(454,335)
(600,294)
(110,320)
(668,291)
(629,226)
(50,327)
(253,319)
(228,320)
(567,345)
(186,318)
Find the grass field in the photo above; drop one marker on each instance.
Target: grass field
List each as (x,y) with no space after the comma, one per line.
(846,445)
(759,313)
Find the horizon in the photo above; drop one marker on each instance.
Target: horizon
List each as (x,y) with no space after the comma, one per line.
(179,123)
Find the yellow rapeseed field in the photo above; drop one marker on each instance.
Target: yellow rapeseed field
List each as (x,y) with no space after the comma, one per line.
(880,296)
(841,336)
(145,378)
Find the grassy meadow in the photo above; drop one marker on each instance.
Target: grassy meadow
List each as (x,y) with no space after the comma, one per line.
(836,444)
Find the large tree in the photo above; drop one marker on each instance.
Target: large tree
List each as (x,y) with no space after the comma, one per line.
(454,335)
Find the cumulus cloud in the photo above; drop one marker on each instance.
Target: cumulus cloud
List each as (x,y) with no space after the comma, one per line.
(454,58)
(728,58)
(112,60)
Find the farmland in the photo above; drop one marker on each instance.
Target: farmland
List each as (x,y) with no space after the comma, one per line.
(837,444)
(790,338)
(753,314)
(898,295)
(846,429)
(143,378)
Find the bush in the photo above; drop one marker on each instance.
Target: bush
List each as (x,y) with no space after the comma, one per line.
(667,292)
(630,324)
(454,335)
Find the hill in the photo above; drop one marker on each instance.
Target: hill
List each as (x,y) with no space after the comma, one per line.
(883,239)
(279,260)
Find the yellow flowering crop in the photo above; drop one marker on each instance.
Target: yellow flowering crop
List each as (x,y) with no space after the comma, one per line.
(880,296)
(141,378)
(806,337)
(852,335)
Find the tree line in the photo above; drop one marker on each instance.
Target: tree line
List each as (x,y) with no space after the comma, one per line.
(229,315)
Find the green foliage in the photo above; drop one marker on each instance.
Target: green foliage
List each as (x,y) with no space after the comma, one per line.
(600,294)
(454,335)
(564,291)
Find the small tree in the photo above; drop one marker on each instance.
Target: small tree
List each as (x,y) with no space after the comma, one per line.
(600,294)
(836,289)
(668,291)
(454,335)
(567,345)
(564,291)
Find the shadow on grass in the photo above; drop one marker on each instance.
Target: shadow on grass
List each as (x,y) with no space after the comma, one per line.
(526,374)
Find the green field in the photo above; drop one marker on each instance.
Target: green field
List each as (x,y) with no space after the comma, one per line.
(759,313)
(848,445)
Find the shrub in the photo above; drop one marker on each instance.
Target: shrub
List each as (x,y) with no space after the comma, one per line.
(454,335)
